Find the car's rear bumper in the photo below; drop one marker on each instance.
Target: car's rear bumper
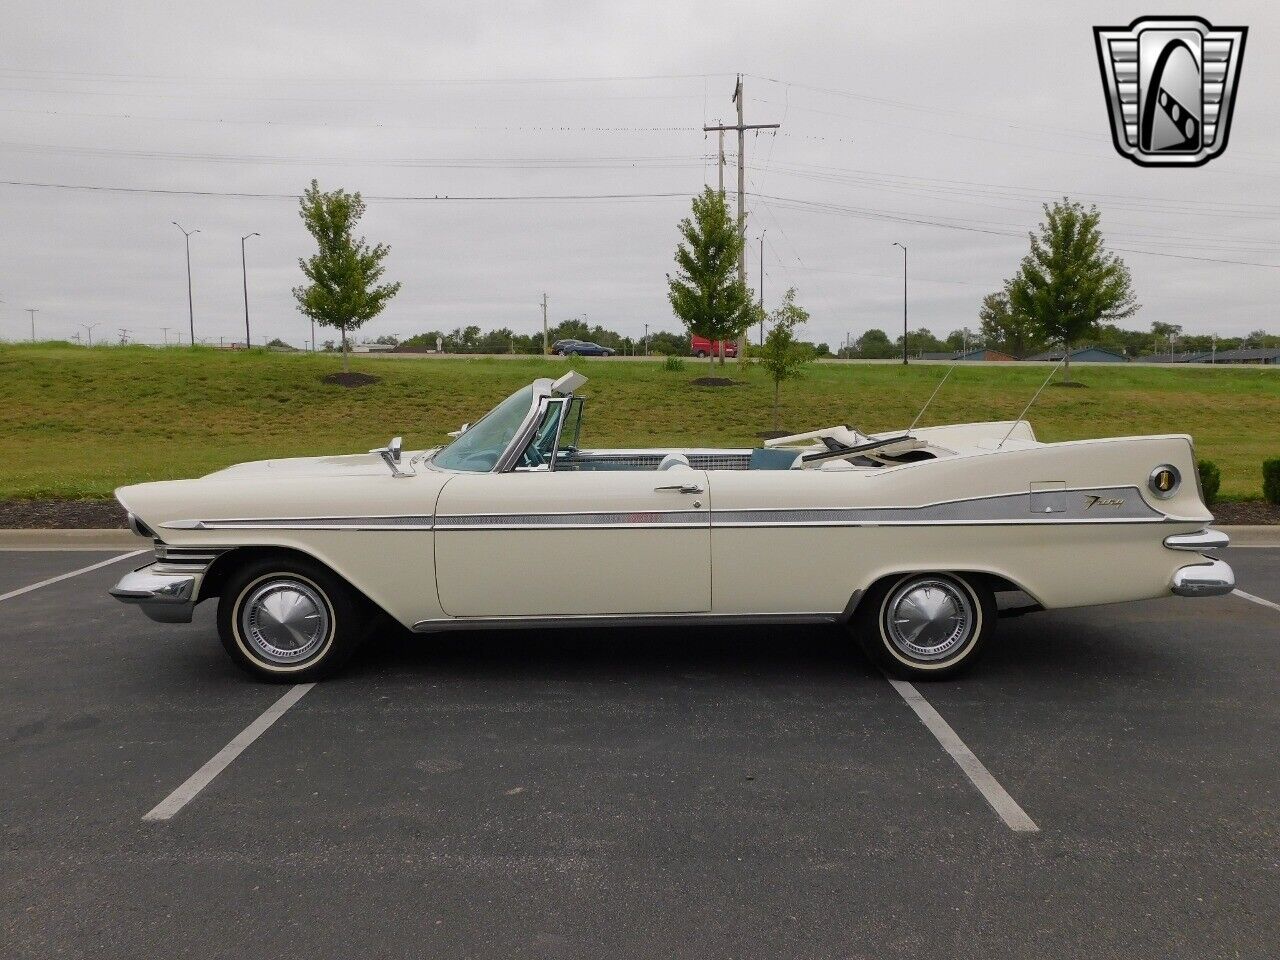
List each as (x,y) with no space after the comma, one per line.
(164,596)
(1210,578)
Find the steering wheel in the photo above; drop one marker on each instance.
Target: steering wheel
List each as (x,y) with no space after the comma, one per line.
(532,456)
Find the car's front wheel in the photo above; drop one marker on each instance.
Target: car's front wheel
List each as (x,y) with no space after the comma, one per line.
(926,625)
(288,620)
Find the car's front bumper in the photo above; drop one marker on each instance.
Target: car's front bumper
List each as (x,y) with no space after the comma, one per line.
(165,596)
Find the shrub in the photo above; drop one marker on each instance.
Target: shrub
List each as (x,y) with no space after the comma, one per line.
(1271,479)
(673,364)
(1210,479)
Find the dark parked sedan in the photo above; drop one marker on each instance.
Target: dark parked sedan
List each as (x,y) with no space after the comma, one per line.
(580,348)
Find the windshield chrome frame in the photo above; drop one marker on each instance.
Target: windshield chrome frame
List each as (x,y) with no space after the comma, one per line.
(541,393)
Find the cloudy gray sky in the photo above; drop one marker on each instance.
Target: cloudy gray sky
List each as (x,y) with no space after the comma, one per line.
(892,113)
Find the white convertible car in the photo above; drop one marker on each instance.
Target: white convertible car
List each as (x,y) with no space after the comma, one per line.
(918,539)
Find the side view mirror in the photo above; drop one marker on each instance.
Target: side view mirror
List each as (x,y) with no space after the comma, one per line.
(460,431)
(390,455)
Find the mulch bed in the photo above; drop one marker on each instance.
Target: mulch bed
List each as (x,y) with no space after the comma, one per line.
(350,379)
(61,514)
(1250,512)
(714,382)
(104,514)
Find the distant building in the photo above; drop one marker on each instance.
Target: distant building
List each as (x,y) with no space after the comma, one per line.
(373,348)
(1263,355)
(1082,355)
(976,355)
(1189,356)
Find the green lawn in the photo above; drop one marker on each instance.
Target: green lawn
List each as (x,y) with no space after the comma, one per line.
(77,422)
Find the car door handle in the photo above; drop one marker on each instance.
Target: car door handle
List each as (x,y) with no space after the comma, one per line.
(682,487)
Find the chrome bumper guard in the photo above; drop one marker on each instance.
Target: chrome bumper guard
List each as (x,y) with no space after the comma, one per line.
(1200,540)
(164,596)
(1212,578)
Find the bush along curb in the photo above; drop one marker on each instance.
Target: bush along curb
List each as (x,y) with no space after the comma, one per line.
(1210,480)
(1271,479)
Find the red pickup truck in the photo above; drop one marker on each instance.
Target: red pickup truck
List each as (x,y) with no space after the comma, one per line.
(702,347)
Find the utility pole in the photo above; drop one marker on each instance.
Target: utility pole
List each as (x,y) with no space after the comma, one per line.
(646,339)
(191,312)
(124,335)
(546,341)
(89,329)
(904,302)
(742,128)
(244,273)
(165,331)
(33,311)
(762,233)
(720,162)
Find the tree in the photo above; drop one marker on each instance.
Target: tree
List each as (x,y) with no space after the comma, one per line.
(1003,329)
(1068,283)
(343,275)
(874,345)
(706,293)
(782,356)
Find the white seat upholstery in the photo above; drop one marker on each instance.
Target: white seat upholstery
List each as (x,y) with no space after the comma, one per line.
(674,460)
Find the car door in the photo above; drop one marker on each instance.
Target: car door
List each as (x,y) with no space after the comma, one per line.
(569,543)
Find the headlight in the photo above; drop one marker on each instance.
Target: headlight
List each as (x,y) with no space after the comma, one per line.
(140,528)
(1164,481)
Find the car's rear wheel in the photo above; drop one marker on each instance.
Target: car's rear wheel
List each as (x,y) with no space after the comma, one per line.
(926,625)
(701,354)
(287,620)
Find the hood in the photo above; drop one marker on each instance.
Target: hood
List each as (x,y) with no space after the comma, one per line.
(345,465)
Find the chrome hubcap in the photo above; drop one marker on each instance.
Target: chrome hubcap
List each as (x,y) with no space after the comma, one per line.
(927,619)
(285,621)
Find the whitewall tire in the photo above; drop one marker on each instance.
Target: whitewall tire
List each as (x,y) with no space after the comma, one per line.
(289,620)
(926,625)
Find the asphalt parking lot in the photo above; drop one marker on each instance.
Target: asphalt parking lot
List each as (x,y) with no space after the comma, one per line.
(641,793)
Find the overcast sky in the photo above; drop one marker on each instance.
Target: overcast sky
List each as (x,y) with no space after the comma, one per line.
(965,114)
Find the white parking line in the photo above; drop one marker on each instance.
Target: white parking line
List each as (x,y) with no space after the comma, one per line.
(1006,808)
(1238,593)
(67,576)
(175,801)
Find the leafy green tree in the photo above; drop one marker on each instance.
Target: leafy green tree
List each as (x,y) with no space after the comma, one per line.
(1003,329)
(342,289)
(874,345)
(1067,284)
(782,356)
(706,293)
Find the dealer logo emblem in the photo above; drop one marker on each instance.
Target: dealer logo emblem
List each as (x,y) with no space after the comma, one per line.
(1170,84)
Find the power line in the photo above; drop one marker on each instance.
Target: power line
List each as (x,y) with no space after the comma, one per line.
(242,195)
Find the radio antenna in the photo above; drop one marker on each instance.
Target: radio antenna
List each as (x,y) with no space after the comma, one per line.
(1022,416)
(930,400)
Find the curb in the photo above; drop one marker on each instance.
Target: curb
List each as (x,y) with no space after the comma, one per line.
(1254,535)
(71,540)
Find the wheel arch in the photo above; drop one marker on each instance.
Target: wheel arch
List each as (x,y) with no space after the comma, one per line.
(992,580)
(224,564)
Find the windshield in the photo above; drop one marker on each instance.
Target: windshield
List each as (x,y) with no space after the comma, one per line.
(478,450)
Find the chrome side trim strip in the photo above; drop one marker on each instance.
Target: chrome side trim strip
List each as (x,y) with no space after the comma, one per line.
(1200,540)
(516,521)
(622,620)
(1212,578)
(1118,505)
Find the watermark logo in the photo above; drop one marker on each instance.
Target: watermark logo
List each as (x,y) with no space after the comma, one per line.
(1170,84)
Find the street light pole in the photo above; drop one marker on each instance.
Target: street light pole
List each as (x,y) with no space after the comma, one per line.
(191,312)
(89,329)
(904,302)
(244,273)
(33,311)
